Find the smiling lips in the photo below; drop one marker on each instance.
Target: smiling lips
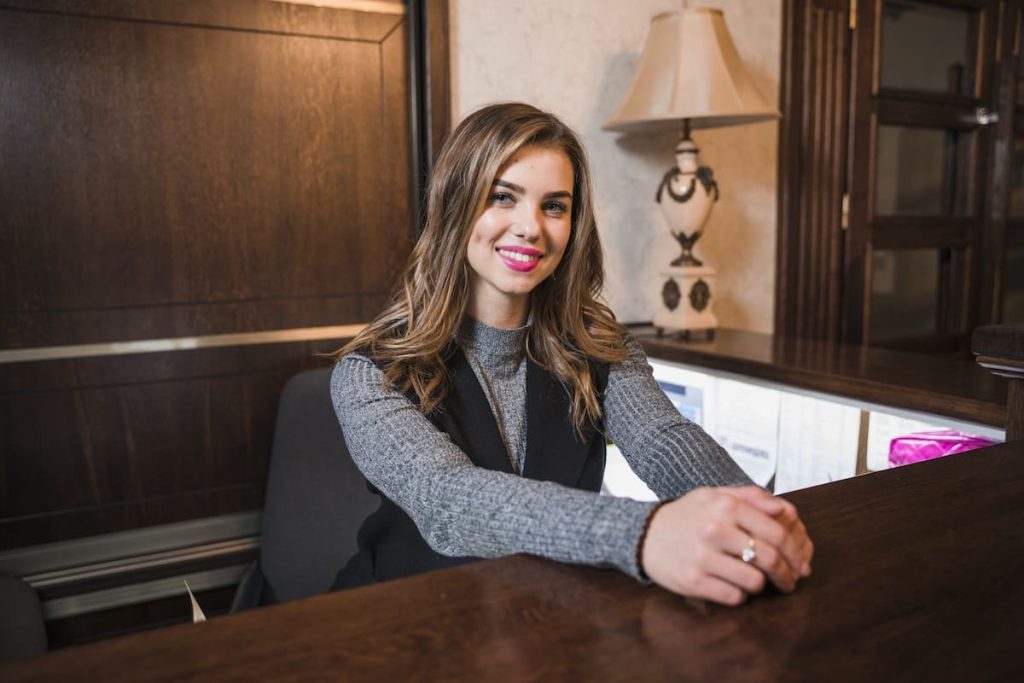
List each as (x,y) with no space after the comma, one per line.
(521,259)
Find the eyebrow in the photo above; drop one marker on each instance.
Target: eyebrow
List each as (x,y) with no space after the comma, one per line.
(522,190)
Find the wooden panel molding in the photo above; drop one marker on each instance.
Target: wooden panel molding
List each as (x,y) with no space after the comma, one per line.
(812,168)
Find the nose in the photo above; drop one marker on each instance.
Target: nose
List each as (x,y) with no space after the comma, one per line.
(528,224)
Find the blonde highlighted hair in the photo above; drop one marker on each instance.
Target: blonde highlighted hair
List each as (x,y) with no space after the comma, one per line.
(412,338)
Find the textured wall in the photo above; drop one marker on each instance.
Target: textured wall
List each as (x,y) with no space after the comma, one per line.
(576,58)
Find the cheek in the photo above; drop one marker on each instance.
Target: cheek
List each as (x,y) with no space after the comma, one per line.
(484,230)
(560,237)
(479,242)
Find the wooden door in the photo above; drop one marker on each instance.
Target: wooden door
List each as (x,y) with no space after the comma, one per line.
(920,130)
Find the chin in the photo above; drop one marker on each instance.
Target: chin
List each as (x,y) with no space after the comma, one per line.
(520,291)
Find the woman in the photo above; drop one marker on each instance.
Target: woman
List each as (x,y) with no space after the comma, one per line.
(478,402)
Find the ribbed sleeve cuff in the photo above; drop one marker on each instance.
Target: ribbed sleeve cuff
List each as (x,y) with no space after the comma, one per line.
(629,551)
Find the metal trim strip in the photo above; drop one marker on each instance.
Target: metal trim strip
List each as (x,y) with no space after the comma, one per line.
(135,563)
(96,551)
(297,334)
(61,608)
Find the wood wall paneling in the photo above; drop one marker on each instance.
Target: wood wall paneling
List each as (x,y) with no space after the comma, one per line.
(812,173)
(245,15)
(177,169)
(162,165)
(387,251)
(97,445)
(27,329)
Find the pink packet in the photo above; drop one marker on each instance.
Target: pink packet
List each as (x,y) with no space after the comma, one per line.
(904,450)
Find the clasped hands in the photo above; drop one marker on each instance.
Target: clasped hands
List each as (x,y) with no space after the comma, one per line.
(694,544)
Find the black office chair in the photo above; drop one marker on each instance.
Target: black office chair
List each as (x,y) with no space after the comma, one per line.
(315,503)
(22,632)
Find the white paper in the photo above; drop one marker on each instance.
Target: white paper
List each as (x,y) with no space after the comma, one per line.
(688,400)
(883,428)
(197,611)
(745,421)
(817,442)
(621,481)
(692,393)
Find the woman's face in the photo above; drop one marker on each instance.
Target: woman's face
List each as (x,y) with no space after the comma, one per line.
(520,237)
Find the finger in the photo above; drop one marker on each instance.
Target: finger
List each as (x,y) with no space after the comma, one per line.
(731,569)
(771,535)
(709,587)
(775,567)
(785,513)
(790,520)
(798,530)
(731,541)
(779,508)
(741,520)
(759,498)
(766,559)
(805,547)
(807,550)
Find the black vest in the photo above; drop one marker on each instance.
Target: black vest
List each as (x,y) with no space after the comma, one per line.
(390,545)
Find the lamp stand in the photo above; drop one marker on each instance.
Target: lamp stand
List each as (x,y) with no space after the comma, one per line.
(685,302)
(685,196)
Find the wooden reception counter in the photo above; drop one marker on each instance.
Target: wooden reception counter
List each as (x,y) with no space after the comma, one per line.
(951,385)
(917,576)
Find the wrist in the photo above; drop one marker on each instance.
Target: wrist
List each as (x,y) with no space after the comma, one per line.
(641,572)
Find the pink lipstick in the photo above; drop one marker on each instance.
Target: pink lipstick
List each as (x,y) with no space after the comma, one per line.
(520,259)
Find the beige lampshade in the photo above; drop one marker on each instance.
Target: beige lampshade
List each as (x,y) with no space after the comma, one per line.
(690,70)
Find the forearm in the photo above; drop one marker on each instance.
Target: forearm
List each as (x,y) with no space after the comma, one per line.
(462,509)
(668,452)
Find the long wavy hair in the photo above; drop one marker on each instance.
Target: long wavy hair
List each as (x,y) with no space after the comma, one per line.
(412,338)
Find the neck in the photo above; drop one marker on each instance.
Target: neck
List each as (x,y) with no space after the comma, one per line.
(504,314)
(502,322)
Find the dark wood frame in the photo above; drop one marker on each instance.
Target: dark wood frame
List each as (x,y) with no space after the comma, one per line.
(1001,231)
(809,287)
(431,101)
(955,234)
(815,298)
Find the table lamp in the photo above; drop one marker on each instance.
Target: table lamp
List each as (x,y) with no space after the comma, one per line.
(690,75)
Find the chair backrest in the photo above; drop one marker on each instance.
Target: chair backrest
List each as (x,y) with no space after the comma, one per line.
(22,632)
(316,498)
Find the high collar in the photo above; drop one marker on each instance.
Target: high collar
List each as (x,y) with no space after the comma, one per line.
(493,344)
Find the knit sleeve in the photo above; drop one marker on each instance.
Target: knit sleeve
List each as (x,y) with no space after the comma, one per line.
(668,452)
(465,510)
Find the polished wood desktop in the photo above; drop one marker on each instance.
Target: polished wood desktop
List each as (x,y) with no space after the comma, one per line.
(1000,350)
(918,575)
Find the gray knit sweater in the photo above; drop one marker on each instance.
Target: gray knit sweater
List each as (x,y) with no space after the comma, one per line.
(465,510)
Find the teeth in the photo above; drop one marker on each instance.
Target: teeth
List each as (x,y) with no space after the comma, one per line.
(516,256)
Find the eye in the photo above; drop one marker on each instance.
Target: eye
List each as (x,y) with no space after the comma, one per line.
(556,209)
(502,199)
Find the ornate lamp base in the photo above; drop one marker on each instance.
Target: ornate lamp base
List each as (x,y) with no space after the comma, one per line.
(685,301)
